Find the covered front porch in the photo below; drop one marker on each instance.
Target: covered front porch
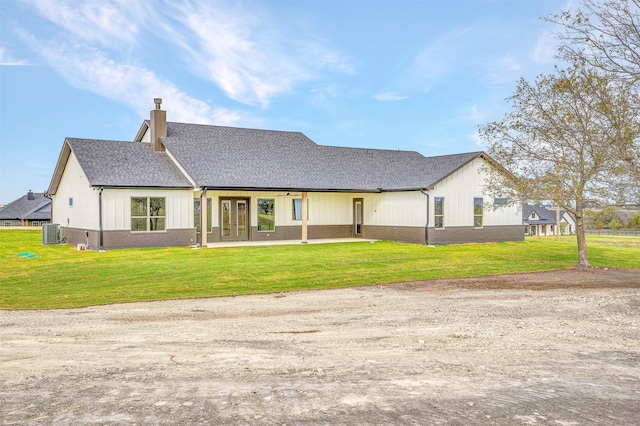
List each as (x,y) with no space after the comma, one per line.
(244,217)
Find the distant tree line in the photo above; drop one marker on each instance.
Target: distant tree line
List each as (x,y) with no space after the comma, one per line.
(612,218)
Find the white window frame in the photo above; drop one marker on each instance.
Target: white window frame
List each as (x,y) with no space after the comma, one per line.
(273,201)
(148,216)
(294,216)
(436,215)
(481,215)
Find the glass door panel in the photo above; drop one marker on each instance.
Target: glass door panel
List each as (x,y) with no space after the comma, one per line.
(357,206)
(226,218)
(242,218)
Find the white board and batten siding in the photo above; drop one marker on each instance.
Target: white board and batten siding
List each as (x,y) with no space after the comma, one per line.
(459,189)
(327,208)
(116,207)
(407,208)
(75,203)
(381,209)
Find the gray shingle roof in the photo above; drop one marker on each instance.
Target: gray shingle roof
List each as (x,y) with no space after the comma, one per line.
(239,158)
(227,157)
(126,164)
(38,208)
(544,215)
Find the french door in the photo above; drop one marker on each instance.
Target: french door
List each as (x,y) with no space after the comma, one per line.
(234,219)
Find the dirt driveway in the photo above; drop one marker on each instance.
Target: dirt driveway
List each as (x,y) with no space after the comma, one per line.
(560,348)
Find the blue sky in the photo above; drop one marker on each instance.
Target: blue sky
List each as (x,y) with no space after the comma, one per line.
(392,74)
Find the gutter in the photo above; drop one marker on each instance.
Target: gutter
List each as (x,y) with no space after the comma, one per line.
(426,225)
(293,189)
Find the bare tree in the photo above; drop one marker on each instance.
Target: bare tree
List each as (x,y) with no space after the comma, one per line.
(563,141)
(606,35)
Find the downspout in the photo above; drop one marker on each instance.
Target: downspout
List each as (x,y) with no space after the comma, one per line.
(100,232)
(204,226)
(426,226)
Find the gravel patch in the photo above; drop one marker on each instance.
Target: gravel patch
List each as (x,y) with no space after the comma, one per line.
(554,348)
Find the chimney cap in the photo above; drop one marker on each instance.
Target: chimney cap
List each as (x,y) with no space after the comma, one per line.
(158,102)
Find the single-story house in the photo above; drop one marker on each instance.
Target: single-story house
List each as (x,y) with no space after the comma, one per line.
(185,184)
(541,221)
(32,209)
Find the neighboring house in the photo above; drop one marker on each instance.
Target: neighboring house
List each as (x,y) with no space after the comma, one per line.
(176,179)
(32,209)
(539,220)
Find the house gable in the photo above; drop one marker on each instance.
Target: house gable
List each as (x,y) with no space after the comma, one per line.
(74,200)
(144,133)
(120,164)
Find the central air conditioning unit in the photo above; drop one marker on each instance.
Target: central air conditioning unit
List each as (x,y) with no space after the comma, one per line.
(50,233)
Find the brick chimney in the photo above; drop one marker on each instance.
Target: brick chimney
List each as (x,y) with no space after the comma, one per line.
(158,126)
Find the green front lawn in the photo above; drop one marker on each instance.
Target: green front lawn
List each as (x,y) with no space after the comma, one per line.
(62,277)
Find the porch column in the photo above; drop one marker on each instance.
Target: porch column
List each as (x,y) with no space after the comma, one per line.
(304,218)
(203,218)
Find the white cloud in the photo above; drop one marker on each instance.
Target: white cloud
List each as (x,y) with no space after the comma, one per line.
(547,44)
(480,143)
(92,20)
(252,60)
(505,70)
(239,47)
(510,63)
(474,115)
(439,58)
(7,58)
(389,97)
(545,50)
(320,57)
(92,70)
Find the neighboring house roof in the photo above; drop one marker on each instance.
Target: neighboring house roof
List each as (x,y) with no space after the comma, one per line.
(32,206)
(544,216)
(219,157)
(120,164)
(238,158)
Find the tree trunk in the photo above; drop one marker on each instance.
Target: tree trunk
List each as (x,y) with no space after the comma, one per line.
(583,260)
(557,221)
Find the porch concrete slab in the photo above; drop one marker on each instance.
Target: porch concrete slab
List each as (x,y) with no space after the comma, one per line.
(286,242)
